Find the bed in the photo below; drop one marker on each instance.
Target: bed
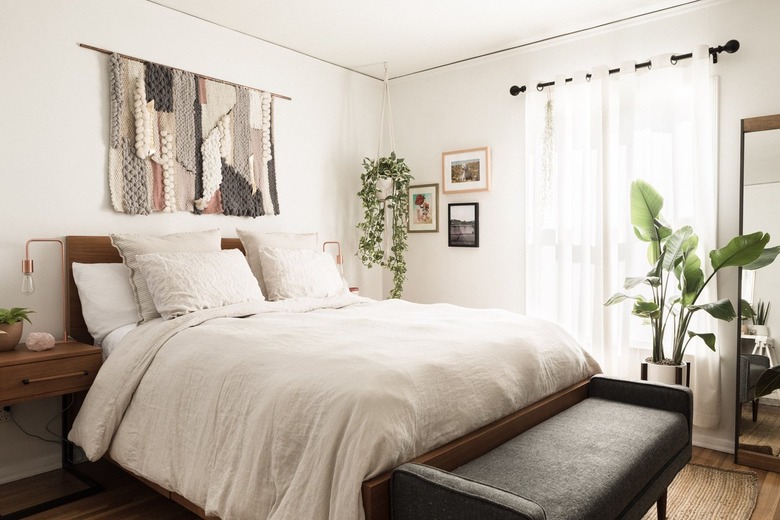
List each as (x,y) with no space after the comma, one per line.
(300,408)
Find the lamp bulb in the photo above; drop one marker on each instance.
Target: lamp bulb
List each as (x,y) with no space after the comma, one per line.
(28,285)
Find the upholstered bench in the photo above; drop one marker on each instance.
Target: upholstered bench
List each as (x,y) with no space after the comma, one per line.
(609,456)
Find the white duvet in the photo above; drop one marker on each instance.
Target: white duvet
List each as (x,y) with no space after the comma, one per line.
(283,413)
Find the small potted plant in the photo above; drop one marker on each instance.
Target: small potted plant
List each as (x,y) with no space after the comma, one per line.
(11,324)
(760,319)
(676,280)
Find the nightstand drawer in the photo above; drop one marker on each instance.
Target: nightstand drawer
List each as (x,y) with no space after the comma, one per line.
(47,378)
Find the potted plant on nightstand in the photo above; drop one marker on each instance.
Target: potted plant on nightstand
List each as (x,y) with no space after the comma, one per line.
(11,324)
(676,280)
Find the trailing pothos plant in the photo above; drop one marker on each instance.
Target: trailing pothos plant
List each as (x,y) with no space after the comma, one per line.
(676,279)
(370,250)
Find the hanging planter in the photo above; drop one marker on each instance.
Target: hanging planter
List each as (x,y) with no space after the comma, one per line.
(391,171)
(385,186)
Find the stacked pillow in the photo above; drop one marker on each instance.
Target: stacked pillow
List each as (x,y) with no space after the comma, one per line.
(181,283)
(107,300)
(131,246)
(288,265)
(176,274)
(253,241)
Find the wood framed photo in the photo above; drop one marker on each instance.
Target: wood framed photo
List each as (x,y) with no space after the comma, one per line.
(463,224)
(423,208)
(466,170)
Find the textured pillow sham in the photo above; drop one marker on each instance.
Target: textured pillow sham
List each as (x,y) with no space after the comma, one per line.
(297,273)
(253,241)
(107,300)
(130,246)
(181,283)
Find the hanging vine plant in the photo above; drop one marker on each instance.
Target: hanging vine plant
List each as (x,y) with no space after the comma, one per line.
(370,250)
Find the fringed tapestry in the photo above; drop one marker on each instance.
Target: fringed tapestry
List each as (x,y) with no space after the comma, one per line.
(180,142)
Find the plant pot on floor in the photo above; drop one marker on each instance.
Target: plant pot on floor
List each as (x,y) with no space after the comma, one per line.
(13,333)
(668,374)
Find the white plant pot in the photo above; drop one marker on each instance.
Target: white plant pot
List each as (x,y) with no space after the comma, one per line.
(384,188)
(667,374)
(760,330)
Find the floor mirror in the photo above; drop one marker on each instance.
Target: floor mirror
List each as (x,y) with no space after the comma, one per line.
(757,438)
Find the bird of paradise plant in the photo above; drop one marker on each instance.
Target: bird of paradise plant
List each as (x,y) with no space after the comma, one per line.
(676,279)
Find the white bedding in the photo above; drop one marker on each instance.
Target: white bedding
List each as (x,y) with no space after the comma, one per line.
(284,413)
(115,337)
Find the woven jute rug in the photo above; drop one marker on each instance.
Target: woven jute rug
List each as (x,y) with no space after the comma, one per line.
(705,493)
(762,436)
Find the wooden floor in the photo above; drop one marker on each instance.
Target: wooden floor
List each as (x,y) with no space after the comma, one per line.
(125,498)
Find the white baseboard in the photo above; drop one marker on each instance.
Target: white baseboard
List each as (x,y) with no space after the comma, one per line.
(713,443)
(30,467)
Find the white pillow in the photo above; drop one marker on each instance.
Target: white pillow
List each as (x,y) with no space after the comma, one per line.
(107,300)
(253,241)
(130,246)
(296,273)
(181,283)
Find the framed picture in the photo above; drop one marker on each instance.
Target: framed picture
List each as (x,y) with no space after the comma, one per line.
(463,222)
(423,208)
(466,170)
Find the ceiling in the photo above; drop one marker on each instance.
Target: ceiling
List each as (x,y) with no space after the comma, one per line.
(410,35)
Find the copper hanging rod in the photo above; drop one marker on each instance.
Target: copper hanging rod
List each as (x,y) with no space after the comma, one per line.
(105,51)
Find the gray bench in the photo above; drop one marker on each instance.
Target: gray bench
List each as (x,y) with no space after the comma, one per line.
(609,456)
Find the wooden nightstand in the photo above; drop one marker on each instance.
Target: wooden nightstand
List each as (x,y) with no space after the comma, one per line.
(68,368)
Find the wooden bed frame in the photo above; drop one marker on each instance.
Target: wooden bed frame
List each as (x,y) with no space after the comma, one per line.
(375,491)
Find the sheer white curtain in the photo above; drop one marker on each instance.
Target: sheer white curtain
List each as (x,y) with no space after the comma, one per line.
(657,125)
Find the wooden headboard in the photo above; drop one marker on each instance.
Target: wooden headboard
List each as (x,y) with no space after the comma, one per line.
(96,250)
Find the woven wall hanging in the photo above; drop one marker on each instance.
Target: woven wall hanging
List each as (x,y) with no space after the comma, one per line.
(182,142)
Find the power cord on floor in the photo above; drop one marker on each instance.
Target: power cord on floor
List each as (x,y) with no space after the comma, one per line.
(59,438)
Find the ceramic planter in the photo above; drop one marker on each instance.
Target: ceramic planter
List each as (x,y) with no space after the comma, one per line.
(760,330)
(668,374)
(384,187)
(13,333)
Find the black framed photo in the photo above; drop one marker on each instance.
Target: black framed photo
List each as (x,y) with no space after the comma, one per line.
(463,224)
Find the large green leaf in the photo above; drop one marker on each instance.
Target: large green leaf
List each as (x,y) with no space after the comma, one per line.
(768,382)
(708,337)
(746,310)
(646,309)
(633,281)
(675,246)
(720,310)
(620,297)
(767,257)
(646,204)
(740,251)
(690,277)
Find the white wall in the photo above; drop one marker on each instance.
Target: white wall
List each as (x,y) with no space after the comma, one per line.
(469,105)
(53,149)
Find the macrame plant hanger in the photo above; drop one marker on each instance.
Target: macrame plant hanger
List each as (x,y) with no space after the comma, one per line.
(387,187)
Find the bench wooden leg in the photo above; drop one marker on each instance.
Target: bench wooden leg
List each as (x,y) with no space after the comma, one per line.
(661,505)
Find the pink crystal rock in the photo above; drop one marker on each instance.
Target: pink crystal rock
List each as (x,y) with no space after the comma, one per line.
(39,341)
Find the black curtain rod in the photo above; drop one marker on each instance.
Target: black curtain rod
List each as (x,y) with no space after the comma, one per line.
(731,47)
